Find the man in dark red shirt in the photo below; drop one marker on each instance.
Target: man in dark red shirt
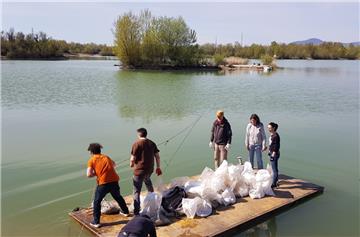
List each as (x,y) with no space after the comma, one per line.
(143,153)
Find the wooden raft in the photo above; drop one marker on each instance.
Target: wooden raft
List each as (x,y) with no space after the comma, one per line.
(245,213)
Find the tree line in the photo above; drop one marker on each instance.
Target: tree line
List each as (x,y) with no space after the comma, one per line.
(144,40)
(326,50)
(17,45)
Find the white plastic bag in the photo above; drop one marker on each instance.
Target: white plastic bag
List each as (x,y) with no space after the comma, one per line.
(108,207)
(262,186)
(228,197)
(179,181)
(206,174)
(151,205)
(248,175)
(190,206)
(204,209)
(241,190)
(193,188)
(210,195)
(235,178)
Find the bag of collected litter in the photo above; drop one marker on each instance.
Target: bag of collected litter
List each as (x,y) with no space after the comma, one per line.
(193,188)
(241,190)
(206,174)
(172,198)
(179,181)
(159,184)
(190,206)
(262,186)
(228,197)
(108,207)
(234,173)
(151,205)
(220,179)
(204,209)
(248,174)
(210,195)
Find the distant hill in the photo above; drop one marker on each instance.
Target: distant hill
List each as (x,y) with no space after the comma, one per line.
(316,41)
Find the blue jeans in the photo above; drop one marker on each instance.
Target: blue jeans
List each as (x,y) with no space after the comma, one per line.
(101,191)
(256,150)
(274,165)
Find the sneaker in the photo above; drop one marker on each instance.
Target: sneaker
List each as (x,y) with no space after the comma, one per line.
(124,214)
(95,225)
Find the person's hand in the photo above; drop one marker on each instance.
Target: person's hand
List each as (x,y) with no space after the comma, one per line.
(158,171)
(264,148)
(211,145)
(227,147)
(248,147)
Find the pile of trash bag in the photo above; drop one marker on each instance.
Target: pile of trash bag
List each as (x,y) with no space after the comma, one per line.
(213,188)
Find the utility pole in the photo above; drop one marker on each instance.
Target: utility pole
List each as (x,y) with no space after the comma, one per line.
(242,39)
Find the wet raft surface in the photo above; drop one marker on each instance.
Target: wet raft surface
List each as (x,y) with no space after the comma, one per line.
(245,213)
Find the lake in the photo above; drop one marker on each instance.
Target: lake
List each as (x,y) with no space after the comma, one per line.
(52,110)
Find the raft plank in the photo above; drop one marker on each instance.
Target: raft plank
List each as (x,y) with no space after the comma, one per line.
(245,213)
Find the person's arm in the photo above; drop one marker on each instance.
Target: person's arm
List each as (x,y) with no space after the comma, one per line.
(157,159)
(212,133)
(90,172)
(132,161)
(247,136)
(133,153)
(276,145)
(229,134)
(263,136)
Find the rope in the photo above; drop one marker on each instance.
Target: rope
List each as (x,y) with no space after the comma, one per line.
(165,142)
(181,143)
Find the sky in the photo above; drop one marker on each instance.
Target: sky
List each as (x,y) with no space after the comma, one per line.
(261,23)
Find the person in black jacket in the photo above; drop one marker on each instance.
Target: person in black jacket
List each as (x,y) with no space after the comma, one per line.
(274,151)
(220,139)
(139,226)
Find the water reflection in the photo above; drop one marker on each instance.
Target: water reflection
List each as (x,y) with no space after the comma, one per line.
(265,229)
(151,95)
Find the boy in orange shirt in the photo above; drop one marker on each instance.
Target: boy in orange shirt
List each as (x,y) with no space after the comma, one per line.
(107,180)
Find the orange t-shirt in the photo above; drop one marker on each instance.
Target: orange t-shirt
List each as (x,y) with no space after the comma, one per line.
(104,169)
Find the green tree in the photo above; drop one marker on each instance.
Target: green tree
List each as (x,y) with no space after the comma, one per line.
(128,39)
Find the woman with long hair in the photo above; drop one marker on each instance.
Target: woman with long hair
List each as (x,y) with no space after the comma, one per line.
(255,140)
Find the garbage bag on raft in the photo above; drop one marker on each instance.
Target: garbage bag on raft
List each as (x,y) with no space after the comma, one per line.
(190,206)
(241,190)
(193,188)
(235,178)
(248,174)
(108,207)
(228,197)
(262,187)
(204,209)
(206,174)
(179,181)
(151,204)
(220,179)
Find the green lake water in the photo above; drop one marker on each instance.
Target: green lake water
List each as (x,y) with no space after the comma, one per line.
(51,111)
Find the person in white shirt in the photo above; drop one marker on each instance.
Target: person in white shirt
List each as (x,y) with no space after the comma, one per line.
(255,140)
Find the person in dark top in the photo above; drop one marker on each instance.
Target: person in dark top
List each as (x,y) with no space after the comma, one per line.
(274,151)
(139,226)
(143,153)
(220,139)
